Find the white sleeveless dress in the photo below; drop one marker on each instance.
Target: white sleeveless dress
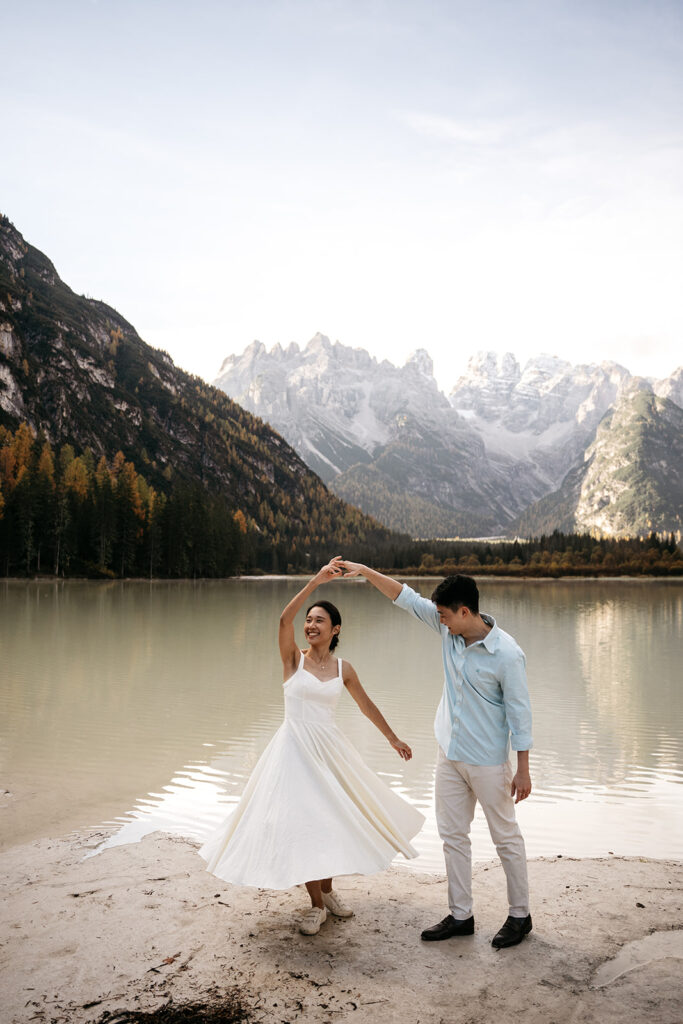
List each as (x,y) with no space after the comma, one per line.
(312,808)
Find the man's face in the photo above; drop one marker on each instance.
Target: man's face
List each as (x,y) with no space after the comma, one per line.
(454,620)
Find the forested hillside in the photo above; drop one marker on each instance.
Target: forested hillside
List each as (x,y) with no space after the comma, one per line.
(66,513)
(87,387)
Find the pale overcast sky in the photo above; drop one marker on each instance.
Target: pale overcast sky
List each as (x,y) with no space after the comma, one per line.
(394,173)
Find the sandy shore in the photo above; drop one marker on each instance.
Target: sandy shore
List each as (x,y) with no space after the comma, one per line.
(139,925)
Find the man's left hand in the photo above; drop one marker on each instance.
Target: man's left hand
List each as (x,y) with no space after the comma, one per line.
(521,786)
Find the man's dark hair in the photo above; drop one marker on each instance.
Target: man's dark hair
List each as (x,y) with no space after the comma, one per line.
(456,591)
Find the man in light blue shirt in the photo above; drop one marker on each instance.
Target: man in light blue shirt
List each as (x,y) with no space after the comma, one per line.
(484,709)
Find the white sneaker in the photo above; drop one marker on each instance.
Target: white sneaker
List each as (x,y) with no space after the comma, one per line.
(335,905)
(311,921)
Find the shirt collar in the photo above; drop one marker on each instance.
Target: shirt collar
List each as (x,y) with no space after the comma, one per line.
(491,639)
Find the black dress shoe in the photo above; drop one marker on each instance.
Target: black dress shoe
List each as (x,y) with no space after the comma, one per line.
(512,932)
(447,928)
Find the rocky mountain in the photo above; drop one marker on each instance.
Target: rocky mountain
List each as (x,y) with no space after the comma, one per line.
(630,478)
(77,372)
(384,438)
(321,398)
(387,439)
(671,387)
(543,416)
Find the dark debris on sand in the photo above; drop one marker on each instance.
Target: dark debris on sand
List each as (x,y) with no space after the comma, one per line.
(229,1009)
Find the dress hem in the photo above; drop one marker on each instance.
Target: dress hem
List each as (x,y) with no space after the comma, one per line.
(338,873)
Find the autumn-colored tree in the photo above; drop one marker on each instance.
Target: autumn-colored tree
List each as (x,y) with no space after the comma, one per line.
(8,463)
(23,450)
(130,514)
(118,464)
(22,483)
(241,521)
(75,479)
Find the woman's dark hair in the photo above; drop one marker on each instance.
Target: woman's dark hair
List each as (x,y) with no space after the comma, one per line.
(334,615)
(456,591)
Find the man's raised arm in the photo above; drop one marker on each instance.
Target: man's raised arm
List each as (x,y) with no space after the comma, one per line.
(402,595)
(390,588)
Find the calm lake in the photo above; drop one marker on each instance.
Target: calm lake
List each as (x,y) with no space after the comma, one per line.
(144,706)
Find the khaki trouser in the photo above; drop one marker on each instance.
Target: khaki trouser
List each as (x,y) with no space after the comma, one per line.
(458,787)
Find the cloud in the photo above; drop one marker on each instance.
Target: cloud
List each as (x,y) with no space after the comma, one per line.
(449,129)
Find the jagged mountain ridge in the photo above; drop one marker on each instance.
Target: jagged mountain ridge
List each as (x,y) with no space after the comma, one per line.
(383,437)
(76,371)
(545,414)
(387,439)
(324,396)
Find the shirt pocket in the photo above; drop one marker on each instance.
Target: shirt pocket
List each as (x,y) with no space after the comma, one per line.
(484,682)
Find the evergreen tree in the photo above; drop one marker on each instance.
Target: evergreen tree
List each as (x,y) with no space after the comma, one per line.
(104,513)
(44,492)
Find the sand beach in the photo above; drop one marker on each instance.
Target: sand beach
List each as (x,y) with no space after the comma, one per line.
(144,926)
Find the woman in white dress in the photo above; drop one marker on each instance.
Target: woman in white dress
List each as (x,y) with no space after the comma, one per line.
(312,808)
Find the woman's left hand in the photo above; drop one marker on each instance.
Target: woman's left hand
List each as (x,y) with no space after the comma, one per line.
(402,749)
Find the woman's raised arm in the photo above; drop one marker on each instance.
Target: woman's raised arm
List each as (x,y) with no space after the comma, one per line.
(289,652)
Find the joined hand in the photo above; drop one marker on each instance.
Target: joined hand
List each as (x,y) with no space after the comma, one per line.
(330,571)
(352,568)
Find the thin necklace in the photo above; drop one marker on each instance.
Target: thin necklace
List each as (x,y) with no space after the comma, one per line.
(320,664)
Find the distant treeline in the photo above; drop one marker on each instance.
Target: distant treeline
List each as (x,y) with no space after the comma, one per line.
(557,554)
(69,514)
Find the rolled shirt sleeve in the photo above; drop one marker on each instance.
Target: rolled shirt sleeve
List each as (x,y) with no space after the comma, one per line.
(421,607)
(513,683)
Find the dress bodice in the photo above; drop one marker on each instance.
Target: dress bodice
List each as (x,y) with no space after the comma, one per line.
(309,699)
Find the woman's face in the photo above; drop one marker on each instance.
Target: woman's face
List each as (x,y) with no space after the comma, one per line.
(318,628)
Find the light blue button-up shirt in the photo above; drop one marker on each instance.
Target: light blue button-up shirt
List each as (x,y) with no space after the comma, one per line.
(485,703)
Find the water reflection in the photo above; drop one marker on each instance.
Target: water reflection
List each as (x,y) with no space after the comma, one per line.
(147,705)
(626,689)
